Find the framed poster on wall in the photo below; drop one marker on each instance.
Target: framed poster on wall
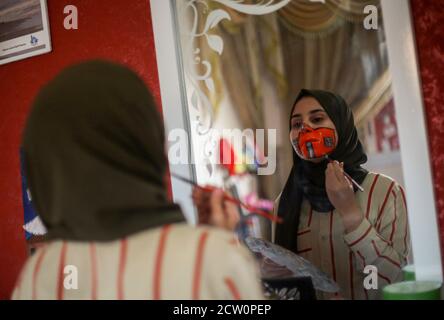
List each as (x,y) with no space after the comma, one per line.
(24,29)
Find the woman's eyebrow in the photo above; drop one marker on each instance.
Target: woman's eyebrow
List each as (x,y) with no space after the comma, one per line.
(311,112)
(316,110)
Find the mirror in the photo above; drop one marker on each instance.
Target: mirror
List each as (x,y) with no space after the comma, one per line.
(240,65)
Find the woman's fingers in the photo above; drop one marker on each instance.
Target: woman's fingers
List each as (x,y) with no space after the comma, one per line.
(337,169)
(339,189)
(232,214)
(213,209)
(345,180)
(217,209)
(331,179)
(201,200)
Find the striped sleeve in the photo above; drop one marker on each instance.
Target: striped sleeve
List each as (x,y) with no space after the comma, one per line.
(232,271)
(385,243)
(243,280)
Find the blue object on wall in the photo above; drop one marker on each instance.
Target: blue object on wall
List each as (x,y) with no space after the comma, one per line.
(29,211)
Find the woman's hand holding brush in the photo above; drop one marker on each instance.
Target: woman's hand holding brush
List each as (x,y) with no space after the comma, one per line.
(214,210)
(342,197)
(220,209)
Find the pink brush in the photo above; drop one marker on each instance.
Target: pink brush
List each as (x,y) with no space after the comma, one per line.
(252,209)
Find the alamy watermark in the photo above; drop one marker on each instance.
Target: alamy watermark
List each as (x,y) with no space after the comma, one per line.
(371,281)
(259,141)
(71,277)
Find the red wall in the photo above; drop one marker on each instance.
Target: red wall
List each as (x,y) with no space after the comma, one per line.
(428,18)
(118,30)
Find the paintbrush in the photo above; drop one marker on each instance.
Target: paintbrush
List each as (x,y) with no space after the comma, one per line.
(347,176)
(251,209)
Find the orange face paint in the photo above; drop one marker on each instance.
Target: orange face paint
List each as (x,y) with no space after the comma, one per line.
(314,143)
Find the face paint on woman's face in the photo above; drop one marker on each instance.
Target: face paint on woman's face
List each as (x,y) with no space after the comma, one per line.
(314,143)
(313,134)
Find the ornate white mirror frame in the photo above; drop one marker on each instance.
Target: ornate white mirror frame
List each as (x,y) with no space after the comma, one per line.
(408,105)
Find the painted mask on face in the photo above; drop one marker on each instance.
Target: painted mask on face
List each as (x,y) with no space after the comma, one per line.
(314,143)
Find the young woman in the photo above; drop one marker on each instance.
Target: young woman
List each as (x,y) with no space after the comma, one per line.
(327,219)
(95,163)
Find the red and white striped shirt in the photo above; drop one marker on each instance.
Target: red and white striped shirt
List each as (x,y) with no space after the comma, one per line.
(381,240)
(172,262)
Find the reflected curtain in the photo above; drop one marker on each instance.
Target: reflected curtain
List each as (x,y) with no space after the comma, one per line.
(303,45)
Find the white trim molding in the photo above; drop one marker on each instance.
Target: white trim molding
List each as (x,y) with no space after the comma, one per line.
(173,95)
(413,140)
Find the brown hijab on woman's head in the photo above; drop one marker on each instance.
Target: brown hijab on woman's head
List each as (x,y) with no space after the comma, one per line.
(94,155)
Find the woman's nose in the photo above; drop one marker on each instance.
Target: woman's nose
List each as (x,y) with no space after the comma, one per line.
(305,127)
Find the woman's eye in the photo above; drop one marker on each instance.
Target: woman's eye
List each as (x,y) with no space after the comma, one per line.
(296,125)
(317,120)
